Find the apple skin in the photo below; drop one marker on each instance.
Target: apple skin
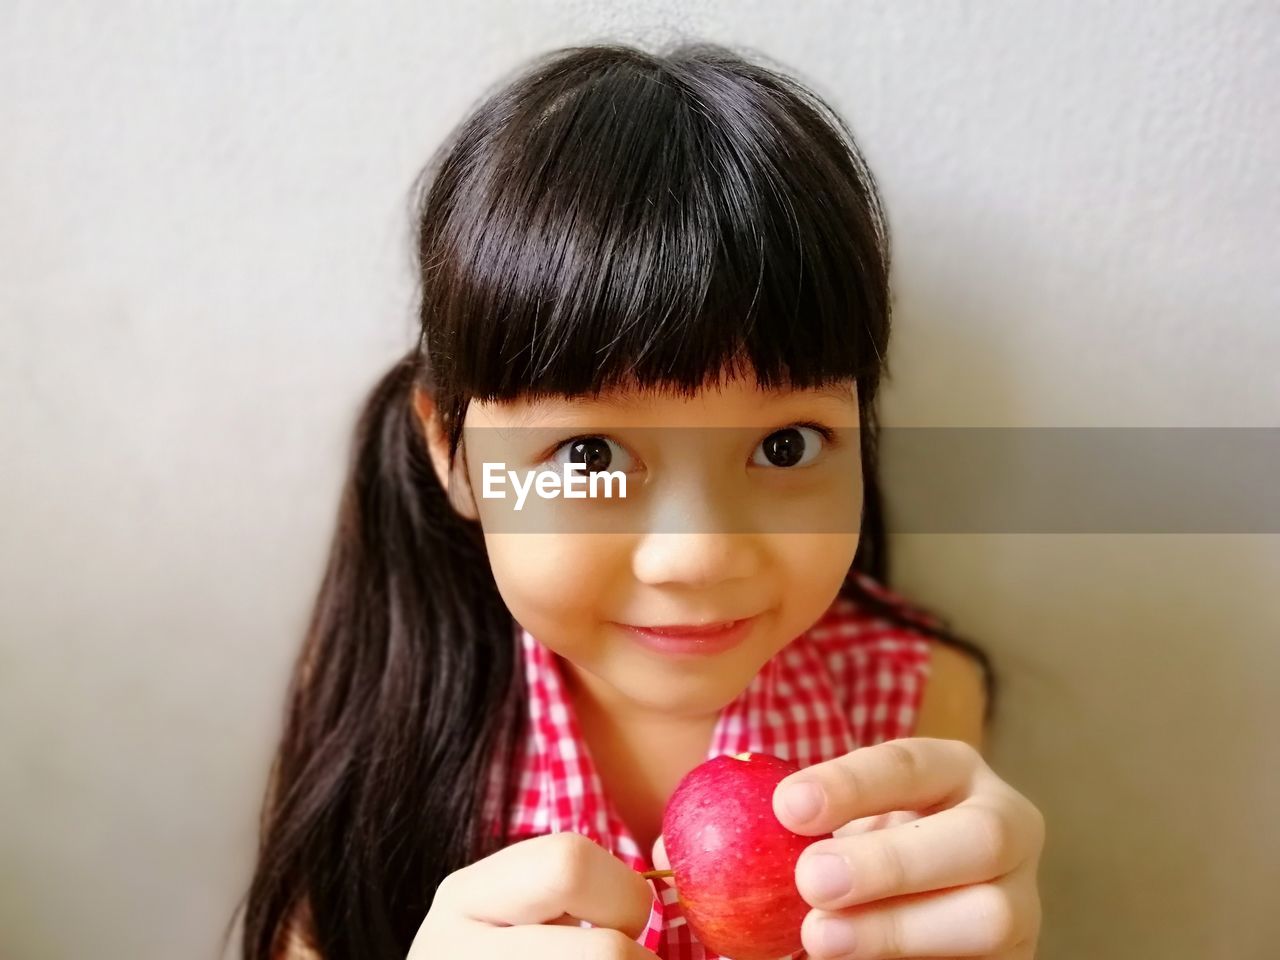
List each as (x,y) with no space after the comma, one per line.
(733,863)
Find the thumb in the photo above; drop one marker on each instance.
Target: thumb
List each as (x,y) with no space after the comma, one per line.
(660,861)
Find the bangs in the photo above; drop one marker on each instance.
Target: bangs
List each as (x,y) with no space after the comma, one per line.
(614,218)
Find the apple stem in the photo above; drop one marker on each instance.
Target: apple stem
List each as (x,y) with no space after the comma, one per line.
(657,874)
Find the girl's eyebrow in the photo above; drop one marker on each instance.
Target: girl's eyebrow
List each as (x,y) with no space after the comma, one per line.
(844,395)
(543,407)
(625,397)
(839,394)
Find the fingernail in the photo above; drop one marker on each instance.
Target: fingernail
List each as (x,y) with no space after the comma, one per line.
(824,876)
(836,937)
(802,799)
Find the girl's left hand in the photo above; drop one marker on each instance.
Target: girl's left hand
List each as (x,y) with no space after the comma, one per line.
(933,854)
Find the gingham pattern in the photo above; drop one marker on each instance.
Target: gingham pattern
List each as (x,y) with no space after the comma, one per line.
(850,680)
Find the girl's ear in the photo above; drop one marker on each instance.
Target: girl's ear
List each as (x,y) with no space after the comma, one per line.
(456,484)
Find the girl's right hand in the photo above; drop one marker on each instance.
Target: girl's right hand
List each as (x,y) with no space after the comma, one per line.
(525,901)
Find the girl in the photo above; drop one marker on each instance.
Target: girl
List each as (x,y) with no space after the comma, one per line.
(619,251)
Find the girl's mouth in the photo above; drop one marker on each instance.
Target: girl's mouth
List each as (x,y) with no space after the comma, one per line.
(682,639)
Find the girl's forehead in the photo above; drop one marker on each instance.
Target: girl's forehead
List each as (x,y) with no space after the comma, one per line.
(734,399)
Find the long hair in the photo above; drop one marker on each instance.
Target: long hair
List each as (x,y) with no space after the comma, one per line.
(603,215)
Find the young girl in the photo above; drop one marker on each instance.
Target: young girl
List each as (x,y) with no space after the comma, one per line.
(674,267)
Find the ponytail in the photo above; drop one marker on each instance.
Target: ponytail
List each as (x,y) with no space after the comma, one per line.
(405,689)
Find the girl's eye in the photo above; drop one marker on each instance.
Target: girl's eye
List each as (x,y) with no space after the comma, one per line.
(794,446)
(597,453)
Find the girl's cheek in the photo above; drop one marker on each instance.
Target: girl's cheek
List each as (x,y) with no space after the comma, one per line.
(816,565)
(560,579)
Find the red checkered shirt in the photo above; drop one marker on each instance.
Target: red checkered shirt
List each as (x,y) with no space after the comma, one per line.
(850,680)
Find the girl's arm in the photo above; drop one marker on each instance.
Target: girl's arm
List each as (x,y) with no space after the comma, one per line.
(954,697)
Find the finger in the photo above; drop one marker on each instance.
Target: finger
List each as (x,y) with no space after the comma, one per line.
(976,841)
(911,774)
(557,943)
(877,822)
(538,880)
(982,920)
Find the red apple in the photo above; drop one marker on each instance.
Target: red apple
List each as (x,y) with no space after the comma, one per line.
(732,862)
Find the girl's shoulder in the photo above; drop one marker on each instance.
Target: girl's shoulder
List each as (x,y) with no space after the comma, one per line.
(296,943)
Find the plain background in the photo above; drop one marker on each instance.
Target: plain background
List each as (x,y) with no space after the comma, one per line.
(205,259)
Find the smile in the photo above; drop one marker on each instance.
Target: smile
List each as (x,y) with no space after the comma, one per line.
(685,640)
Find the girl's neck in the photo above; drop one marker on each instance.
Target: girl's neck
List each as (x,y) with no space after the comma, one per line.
(640,755)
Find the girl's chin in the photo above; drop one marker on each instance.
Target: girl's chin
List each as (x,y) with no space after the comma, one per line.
(667,689)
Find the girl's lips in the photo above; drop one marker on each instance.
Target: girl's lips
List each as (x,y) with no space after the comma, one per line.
(679,629)
(681,639)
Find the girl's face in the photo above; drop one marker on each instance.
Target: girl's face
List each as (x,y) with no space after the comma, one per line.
(736,506)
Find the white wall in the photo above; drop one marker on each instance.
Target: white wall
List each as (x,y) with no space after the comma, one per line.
(204,262)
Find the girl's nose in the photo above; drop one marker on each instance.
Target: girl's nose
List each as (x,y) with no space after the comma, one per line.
(697,533)
(696,558)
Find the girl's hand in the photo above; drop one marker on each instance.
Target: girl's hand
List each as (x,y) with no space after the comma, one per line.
(933,854)
(522,901)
